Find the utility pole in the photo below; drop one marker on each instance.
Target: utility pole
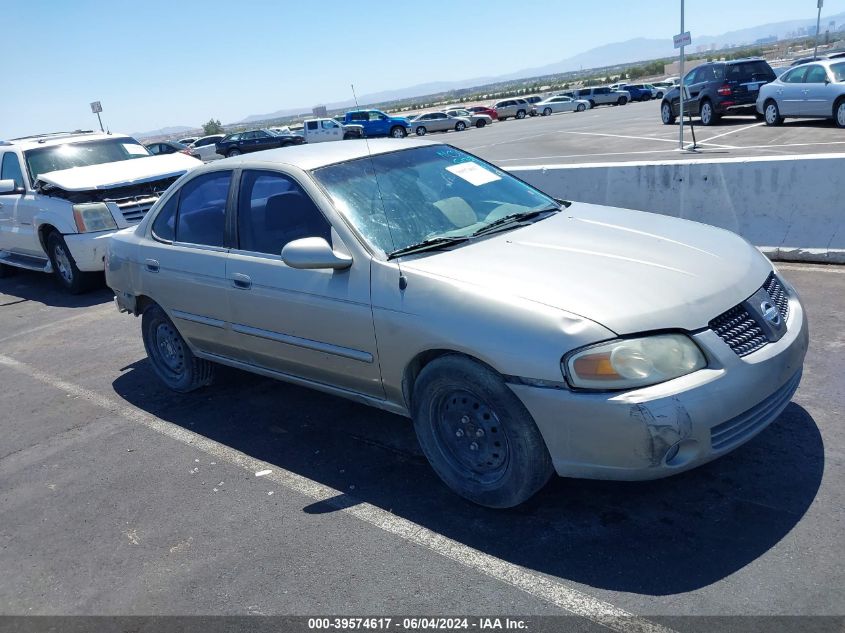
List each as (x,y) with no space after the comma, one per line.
(818,27)
(681,142)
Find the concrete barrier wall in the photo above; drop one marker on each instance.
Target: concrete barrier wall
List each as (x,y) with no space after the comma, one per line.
(791,207)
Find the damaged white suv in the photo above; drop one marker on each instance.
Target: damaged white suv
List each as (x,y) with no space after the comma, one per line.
(63,195)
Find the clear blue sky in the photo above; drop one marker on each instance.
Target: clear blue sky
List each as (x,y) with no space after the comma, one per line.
(156,63)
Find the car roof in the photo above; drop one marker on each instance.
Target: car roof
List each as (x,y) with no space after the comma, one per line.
(59,138)
(308,157)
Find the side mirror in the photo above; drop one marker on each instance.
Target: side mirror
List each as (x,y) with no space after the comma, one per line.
(9,186)
(313,253)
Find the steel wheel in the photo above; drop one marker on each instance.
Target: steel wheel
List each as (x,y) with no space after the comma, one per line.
(840,114)
(469,434)
(168,350)
(772,114)
(171,358)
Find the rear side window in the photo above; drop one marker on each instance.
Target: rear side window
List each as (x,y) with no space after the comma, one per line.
(274,210)
(311,125)
(10,169)
(838,71)
(202,210)
(164,226)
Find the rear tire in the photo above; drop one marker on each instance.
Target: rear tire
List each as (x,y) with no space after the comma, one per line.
(477,435)
(520,114)
(172,360)
(771,113)
(65,269)
(707,114)
(839,113)
(592,104)
(233,152)
(480,124)
(460,126)
(622,101)
(580,108)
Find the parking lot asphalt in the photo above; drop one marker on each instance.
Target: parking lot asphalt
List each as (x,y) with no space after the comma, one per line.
(635,133)
(120,497)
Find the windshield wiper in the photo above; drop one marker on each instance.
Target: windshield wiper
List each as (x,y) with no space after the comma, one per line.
(427,245)
(513,219)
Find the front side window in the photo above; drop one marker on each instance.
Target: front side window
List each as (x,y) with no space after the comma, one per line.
(329,125)
(274,210)
(690,77)
(10,169)
(405,197)
(57,157)
(201,218)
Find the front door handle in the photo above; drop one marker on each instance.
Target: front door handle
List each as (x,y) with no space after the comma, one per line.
(152,265)
(241,281)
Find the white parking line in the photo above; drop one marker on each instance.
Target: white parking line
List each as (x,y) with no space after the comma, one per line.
(741,129)
(559,594)
(643,138)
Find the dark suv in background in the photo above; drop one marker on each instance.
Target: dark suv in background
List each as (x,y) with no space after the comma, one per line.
(716,89)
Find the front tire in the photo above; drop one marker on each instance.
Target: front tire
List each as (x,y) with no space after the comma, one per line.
(547,111)
(67,273)
(233,152)
(622,101)
(477,435)
(172,360)
(421,130)
(398,132)
(666,114)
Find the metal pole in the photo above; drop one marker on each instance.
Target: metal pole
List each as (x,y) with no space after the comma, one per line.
(101,122)
(681,142)
(818,26)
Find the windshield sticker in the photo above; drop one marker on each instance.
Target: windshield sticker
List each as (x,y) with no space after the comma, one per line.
(133,149)
(473,173)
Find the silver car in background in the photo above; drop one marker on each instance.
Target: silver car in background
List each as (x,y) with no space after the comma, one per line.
(476,119)
(561,103)
(422,124)
(513,108)
(522,334)
(816,89)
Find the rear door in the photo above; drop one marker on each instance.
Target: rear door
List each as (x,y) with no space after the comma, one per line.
(440,122)
(18,233)
(313,133)
(818,92)
(314,324)
(183,266)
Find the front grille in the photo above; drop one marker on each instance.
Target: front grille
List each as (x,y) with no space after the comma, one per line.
(740,330)
(134,208)
(737,430)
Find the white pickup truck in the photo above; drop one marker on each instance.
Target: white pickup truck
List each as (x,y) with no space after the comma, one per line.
(62,196)
(322,130)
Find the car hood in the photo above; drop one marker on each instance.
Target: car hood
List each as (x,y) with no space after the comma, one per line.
(627,270)
(120,173)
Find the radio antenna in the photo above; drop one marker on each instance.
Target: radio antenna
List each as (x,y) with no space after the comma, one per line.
(403,281)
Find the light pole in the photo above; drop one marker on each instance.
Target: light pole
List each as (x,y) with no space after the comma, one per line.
(818,26)
(681,141)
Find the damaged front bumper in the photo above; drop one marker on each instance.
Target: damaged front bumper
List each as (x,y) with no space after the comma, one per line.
(677,425)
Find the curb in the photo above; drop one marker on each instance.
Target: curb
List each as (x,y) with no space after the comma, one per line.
(804,255)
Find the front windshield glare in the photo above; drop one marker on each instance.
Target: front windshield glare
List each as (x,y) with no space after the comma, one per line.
(57,157)
(406,197)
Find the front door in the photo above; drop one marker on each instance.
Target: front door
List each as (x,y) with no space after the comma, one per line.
(314,324)
(791,97)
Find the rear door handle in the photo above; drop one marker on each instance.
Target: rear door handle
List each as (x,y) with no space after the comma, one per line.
(241,281)
(152,265)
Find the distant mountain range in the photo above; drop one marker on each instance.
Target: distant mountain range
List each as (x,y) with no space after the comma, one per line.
(165,131)
(639,49)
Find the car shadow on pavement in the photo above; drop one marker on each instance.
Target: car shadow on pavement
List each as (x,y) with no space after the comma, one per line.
(655,538)
(27,285)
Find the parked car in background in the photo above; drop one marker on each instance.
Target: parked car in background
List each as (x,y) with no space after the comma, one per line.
(187,140)
(377,123)
(62,196)
(534,100)
(662,87)
(512,108)
(518,347)
(255,141)
(717,89)
(170,147)
(479,109)
(322,130)
(656,93)
(816,89)
(820,56)
(638,92)
(601,95)
(438,122)
(206,146)
(476,119)
(561,103)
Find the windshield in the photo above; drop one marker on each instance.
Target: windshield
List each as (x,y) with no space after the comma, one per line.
(838,71)
(56,157)
(423,194)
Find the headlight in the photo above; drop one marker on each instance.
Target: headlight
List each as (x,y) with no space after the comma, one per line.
(93,216)
(631,363)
